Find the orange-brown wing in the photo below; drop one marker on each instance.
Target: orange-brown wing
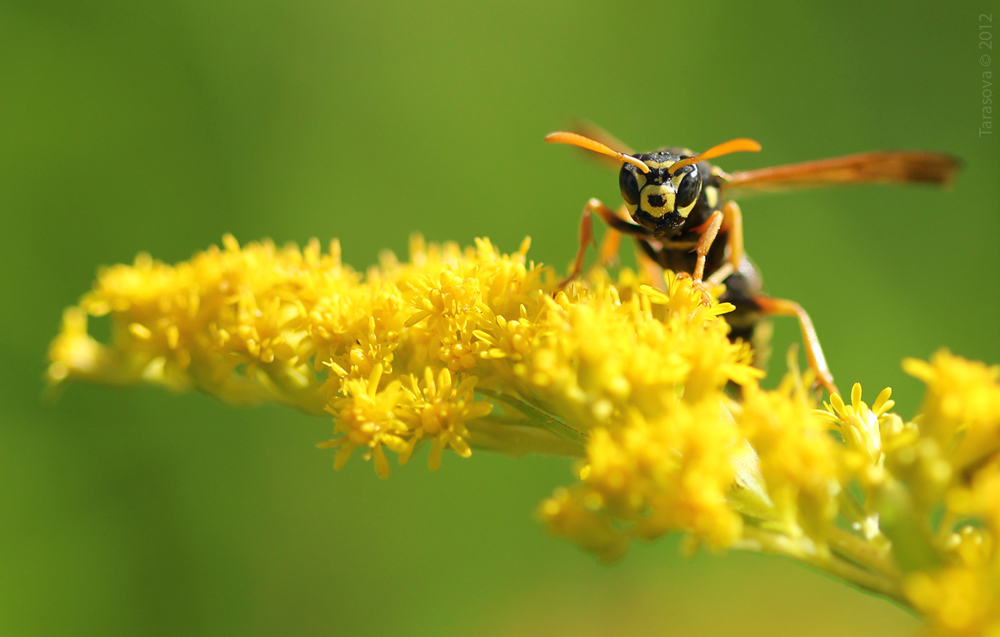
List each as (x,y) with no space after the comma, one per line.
(878,167)
(595,132)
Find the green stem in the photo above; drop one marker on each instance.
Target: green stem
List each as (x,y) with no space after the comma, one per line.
(804,550)
(540,418)
(865,553)
(503,436)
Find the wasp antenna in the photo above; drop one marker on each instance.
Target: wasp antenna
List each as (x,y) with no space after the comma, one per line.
(740,145)
(589,144)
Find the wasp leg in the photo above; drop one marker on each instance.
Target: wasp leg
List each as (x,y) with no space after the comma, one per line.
(712,227)
(781,307)
(607,254)
(612,241)
(586,238)
(587,233)
(709,230)
(719,276)
(623,226)
(732,221)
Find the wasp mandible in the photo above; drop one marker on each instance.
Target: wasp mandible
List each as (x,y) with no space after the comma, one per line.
(677,207)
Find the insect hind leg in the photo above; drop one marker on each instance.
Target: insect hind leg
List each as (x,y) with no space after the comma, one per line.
(814,352)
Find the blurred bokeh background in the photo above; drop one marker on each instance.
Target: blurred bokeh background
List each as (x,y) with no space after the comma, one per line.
(160,125)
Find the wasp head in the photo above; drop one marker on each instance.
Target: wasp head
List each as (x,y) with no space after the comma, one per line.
(658,200)
(661,188)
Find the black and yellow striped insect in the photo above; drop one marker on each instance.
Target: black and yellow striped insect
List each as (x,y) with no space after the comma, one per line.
(677,207)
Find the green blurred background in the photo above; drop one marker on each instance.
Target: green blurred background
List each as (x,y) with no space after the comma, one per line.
(161,125)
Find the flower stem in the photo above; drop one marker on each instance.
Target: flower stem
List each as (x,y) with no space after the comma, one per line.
(864,553)
(805,551)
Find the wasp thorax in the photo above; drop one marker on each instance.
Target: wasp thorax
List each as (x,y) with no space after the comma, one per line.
(658,200)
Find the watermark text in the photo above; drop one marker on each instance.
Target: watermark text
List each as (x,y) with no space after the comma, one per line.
(985,60)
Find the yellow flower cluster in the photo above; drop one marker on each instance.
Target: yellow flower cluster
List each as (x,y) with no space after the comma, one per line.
(472,349)
(931,507)
(458,348)
(952,454)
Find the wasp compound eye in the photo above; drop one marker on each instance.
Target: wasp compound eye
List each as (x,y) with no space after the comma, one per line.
(628,181)
(688,190)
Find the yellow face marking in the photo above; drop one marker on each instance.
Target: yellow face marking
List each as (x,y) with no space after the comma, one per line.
(659,164)
(686,210)
(676,181)
(665,192)
(712,196)
(640,178)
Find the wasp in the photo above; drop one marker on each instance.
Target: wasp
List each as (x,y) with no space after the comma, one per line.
(678,209)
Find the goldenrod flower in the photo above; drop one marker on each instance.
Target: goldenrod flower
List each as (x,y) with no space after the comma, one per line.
(798,458)
(464,350)
(962,406)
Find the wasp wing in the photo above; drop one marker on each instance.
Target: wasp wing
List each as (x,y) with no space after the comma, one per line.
(878,167)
